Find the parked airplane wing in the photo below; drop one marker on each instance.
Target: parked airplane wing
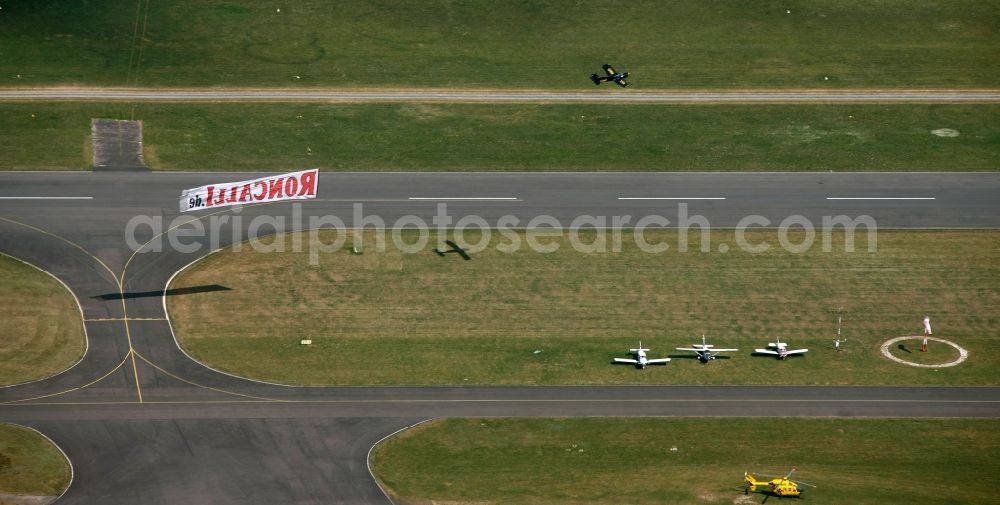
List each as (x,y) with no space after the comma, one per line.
(692,349)
(797,351)
(765,351)
(629,361)
(609,69)
(659,361)
(723,350)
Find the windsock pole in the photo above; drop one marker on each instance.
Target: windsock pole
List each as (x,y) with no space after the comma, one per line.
(836,343)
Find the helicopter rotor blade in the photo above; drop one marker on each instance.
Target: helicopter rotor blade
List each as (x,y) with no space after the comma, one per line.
(799,482)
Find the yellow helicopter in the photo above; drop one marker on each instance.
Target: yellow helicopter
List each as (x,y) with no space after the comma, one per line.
(778,486)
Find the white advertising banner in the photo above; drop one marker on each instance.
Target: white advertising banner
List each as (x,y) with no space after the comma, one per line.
(293,186)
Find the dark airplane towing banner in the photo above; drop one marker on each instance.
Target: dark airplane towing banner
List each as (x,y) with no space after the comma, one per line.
(292,186)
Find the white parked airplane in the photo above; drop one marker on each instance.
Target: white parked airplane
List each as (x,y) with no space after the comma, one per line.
(779,349)
(640,360)
(704,350)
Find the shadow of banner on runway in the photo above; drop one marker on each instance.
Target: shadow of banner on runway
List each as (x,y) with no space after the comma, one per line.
(170,292)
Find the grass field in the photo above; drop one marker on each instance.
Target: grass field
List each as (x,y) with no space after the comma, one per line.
(30,464)
(514,44)
(39,322)
(614,460)
(380,137)
(434,321)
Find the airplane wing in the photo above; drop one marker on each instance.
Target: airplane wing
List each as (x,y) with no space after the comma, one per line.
(725,350)
(692,349)
(609,69)
(657,361)
(622,83)
(797,351)
(629,361)
(765,351)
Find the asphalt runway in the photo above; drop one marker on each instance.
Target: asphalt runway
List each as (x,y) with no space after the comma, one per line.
(607,94)
(143,423)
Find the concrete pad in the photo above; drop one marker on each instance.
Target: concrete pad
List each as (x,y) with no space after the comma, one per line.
(117,144)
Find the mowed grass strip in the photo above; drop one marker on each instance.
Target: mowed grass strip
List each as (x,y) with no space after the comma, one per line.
(40,328)
(443,137)
(513,44)
(30,464)
(560,318)
(617,460)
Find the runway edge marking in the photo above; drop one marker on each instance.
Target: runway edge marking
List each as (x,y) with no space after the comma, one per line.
(368,458)
(72,471)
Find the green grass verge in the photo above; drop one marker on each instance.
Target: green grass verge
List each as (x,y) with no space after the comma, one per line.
(612,460)
(40,324)
(434,321)
(379,137)
(30,464)
(553,44)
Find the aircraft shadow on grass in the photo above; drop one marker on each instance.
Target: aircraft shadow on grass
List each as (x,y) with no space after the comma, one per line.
(170,292)
(453,248)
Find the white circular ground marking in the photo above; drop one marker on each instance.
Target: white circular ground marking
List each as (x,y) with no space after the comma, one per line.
(945,132)
(962,353)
